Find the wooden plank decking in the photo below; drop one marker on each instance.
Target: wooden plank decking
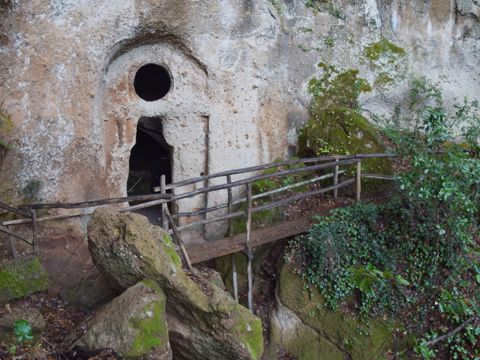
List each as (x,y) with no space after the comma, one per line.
(226,246)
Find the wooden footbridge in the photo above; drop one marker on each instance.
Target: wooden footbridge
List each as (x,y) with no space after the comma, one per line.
(292,181)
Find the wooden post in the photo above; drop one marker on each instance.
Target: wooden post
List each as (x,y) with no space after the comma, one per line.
(164,206)
(249,249)
(230,234)
(12,245)
(180,242)
(36,247)
(250,279)
(359,181)
(335,179)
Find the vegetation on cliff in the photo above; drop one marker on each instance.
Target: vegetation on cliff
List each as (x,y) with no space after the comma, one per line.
(336,124)
(416,257)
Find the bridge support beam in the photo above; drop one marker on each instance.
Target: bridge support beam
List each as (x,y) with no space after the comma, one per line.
(249,247)
(358,178)
(230,235)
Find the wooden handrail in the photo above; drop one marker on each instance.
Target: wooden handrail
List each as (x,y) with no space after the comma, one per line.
(317,163)
(242,182)
(166,198)
(272,165)
(86,204)
(9,208)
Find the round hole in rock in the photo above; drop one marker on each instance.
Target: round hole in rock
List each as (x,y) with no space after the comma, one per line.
(152,82)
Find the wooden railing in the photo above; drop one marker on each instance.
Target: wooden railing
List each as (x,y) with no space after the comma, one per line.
(247,177)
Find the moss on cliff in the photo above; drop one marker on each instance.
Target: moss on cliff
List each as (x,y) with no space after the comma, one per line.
(336,125)
(383,47)
(343,131)
(20,279)
(249,332)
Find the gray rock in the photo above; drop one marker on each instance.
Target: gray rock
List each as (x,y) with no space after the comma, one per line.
(204,321)
(133,325)
(23,312)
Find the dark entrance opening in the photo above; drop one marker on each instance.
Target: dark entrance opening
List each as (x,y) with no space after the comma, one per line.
(152,82)
(150,158)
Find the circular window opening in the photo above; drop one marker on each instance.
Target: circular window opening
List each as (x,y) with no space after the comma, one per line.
(152,82)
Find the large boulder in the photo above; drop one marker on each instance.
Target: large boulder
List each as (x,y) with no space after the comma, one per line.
(204,321)
(133,324)
(302,325)
(21,278)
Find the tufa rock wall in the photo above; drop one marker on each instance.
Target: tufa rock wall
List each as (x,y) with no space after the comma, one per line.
(239,69)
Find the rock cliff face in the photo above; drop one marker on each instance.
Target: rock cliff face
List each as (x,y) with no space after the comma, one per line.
(238,69)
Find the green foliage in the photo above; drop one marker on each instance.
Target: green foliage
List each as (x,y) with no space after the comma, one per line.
(337,88)
(422,247)
(386,60)
(22,330)
(336,125)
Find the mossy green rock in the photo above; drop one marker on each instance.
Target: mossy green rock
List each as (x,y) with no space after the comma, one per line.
(330,334)
(133,324)
(287,331)
(205,322)
(343,131)
(21,279)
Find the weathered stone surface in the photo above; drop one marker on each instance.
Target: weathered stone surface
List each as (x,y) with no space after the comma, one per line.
(204,321)
(240,70)
(20,279)
(23,312)
(134,325)
(302,326)
(288,331)
(469,7)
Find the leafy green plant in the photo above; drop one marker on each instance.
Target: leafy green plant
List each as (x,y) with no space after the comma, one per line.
(22,330)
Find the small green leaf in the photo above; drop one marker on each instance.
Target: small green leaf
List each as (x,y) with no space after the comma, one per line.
(401,280)
(23,330)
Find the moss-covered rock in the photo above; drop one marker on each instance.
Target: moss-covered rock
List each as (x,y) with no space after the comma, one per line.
(287,331)
(205,322)
(133,324)
(19,279)
(343,131)
(336,332)
(336,125)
